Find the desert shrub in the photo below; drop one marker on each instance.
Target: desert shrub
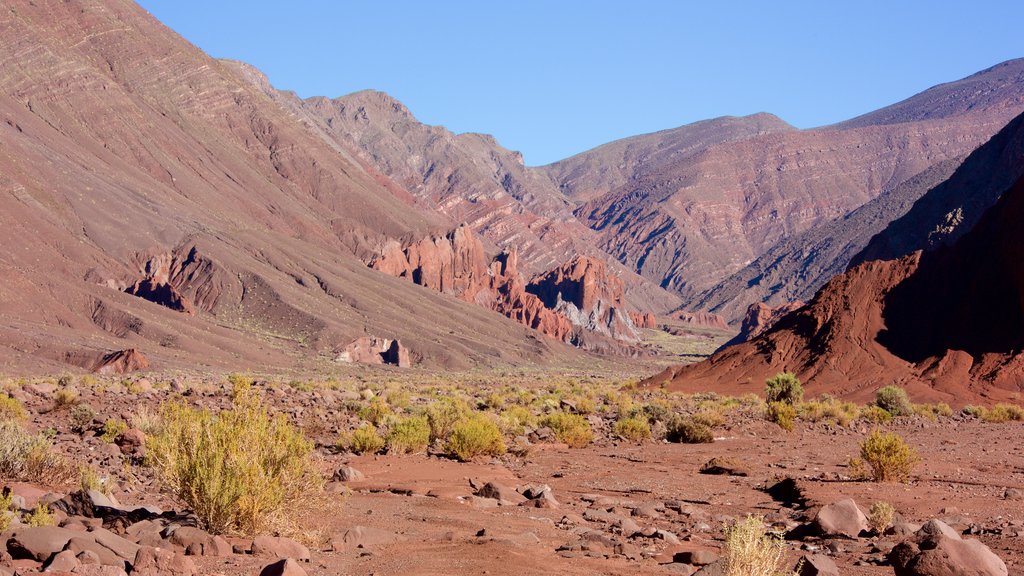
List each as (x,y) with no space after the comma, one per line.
(876,414)
(784,387)
(712,417)
(40,516)
(240,469)
(65,397)
(409,435)
(975,411)
(1002,413)
(30,457)
(81,417)
(88,480)
(366,440)
(515,420)
(783,414)
(11,409)
(889,458)
(572,429)
(894,400)
(635,429)
(145,420)
(686,430)
(443,416)
(475,435)
(375,411)
(112,429)
(828,409)
(585,405)
(494,401)
(751,551)
(880,516)
(6,517)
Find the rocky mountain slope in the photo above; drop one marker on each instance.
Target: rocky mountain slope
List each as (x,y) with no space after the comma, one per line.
(687,221)
(945,323)
(152,198)
(469,178)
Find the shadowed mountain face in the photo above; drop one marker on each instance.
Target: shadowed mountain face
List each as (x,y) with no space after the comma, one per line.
(690,219)
(946,322)
(124,150)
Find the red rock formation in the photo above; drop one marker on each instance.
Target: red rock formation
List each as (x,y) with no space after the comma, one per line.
(760,318)
(947,325)
(457,264)
(643,319)
(586,293)
(701,319)
(373,350)
(121,362)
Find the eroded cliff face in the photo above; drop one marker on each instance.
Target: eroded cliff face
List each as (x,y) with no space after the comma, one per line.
(760,318)
(947,325)
(580,302)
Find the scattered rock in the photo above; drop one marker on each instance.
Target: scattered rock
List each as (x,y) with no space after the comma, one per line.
(724,466)
(501,493)
(150,561)
(279,547)
(349,474)
(286,567)
(944,555)
(841,519)
(818,565)
(364,537)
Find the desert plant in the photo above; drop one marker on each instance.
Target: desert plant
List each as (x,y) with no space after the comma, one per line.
(894,400)
(81,417)
(889,458)
(88,480)
(686,430)
(876,414)
(572,429)
(408,435)
(65,397)
(239,469)
(515,420)
(783,414)
(1002,413)
(6,517)
(784,387)
(475,435)
(375,411)
(146,420)
(880,516)
(443,416)
(828,409)
(29,457)
(751,551)
(635,429)
(366,440)
(11,409)
(40,516)
(112,429)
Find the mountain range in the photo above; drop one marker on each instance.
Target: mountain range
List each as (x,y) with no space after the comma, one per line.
(157,201)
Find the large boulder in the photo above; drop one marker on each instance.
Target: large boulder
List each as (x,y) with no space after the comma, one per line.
(150,561)
(840,519)
(279,547)
(936,550)
(286,567)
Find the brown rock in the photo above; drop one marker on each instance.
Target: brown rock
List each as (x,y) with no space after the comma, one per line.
(818,565)
(724,466)
(279,547)
(62,562)
(286,567)
(121,362)
(941,555)
(38,543)
(501,493)
(840,519)
(373,350)
(363,537)
(131,441)
(150,561)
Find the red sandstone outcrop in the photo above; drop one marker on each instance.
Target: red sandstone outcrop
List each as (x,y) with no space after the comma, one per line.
(643,319)
(701,319)
(121,362)
(373,350)
(947,325)
(591,297)
(760,318)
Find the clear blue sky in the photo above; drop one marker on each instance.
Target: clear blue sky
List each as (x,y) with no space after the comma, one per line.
(552,78)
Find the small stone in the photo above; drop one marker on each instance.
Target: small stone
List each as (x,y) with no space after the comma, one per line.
(286,567)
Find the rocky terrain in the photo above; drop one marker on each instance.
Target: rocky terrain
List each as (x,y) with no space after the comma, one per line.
(943,321)
(615,502)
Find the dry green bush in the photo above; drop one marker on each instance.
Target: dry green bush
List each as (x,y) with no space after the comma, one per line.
(30,457)
(783,414)
(112,429)
(1002,413)
(364,440)
(514,420)
(635,429)
(894,400)
(443,415)
(880,516)
(81,417)
(11,409)
(876,414)
(784,387)
(40,517)
(240,469)
(751,551)
(828,409)
(571,429)
(688,431)
(888,457)
(408,435)
(375,412)
(475,435)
